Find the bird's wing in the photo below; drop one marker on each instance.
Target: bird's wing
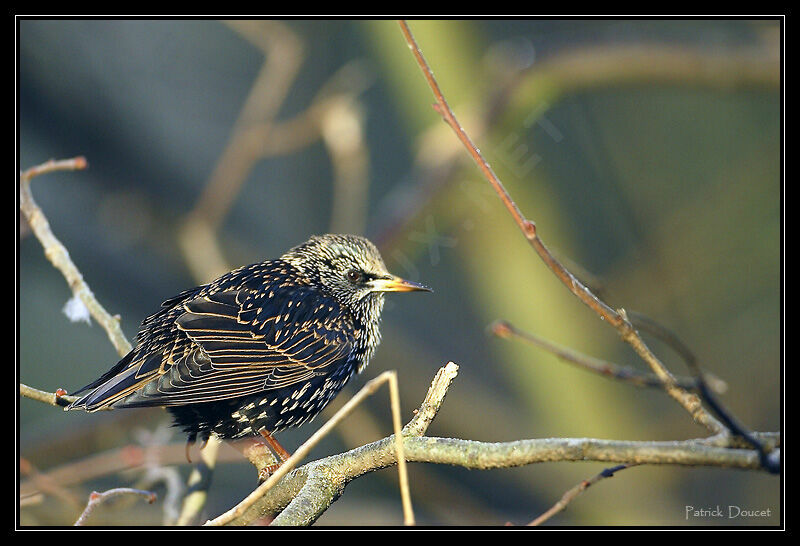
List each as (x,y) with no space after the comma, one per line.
(156,344)
(235,343)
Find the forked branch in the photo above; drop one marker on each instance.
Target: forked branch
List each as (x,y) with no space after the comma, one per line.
(616,318)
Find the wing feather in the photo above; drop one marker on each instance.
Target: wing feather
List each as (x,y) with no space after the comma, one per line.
(234,337)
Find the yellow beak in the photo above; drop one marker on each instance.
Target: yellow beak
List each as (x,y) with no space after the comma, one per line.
(390,283)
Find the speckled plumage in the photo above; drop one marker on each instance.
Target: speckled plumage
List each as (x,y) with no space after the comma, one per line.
(260,349)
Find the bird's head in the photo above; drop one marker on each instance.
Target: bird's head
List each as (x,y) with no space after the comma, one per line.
(349,267)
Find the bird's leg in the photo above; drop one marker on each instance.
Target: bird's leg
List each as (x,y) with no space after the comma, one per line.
(266,455)
(276,447)
(282,454)
(189,443)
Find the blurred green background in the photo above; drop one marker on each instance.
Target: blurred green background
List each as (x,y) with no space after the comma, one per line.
(647,152)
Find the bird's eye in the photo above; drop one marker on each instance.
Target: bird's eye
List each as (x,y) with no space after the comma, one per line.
(354,275)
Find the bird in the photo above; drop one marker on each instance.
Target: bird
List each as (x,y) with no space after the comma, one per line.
(260,349)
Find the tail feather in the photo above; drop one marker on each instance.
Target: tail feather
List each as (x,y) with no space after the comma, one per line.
(91,398)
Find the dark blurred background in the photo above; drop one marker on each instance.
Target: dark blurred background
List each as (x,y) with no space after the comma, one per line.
(647,152)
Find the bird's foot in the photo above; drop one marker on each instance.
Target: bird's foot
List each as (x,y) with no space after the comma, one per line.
(260,455)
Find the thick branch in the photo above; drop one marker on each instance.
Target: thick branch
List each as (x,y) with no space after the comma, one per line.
(306,492)
(317,484)
(236,513)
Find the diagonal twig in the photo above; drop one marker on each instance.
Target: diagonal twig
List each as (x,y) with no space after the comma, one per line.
(95,499)
(505,329)
(616,318)
(306,493)
(570,495)
(368,389)
(58,255)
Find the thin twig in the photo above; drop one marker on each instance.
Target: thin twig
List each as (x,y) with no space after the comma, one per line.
(58,398)
(570,495)
(75,164)
(95,499)
(405,494)
(433,401)
(57,253)
(368,389)
(616,318)
(659,331)
(314,486)
(504,329)
(575,70)
(770,459)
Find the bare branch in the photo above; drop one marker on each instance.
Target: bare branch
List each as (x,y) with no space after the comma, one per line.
(57,253)
(328,476)
(95,499)
(433,401)
(370,387)
(617,319)
(504,329)
(570,495)
(305,493)
(313,487)
(59,398)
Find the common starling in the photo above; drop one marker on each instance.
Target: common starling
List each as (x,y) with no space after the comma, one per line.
(262,348)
